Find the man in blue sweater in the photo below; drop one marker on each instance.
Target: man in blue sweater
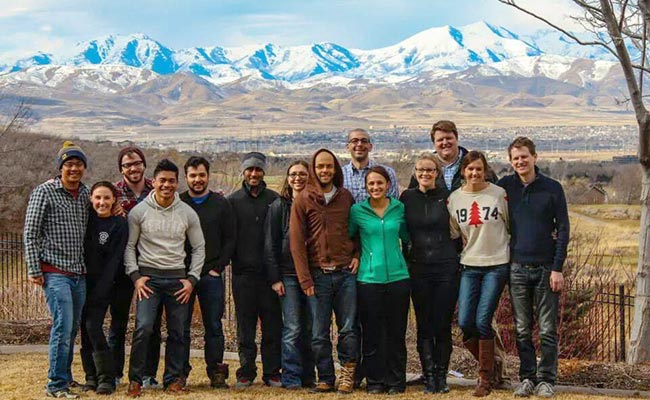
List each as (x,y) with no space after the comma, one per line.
(538,248)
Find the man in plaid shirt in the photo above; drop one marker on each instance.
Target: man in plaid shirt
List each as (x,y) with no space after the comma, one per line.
(55,226)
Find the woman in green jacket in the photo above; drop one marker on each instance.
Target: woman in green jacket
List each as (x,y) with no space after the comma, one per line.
(383,286)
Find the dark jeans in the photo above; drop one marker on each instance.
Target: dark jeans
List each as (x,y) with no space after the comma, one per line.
(119,309)
(383,310)
(255,299)
(532,298)
(434,300)
(478,298)
(146,313)
(297,356)
(335,292)
(210,291)
(92,335)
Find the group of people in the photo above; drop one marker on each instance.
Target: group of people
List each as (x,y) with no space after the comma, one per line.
(336,241)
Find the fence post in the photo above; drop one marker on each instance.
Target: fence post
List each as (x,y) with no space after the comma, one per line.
(621,305)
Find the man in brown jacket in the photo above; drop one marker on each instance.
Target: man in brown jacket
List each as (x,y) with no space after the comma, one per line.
(326,261)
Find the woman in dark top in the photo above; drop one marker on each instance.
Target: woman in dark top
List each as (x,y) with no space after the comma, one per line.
(434,267)
(297,357)
(106,237)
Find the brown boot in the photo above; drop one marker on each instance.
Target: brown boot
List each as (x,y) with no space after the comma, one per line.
(134,389)
(346,380)
(219,377)
(472,346)
(486,367)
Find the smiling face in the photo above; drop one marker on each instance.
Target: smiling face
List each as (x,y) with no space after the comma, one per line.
(297,178)
(324,168)
(376,185)
(522,161)
(446,144)
(474,172)
(132,168)
(197,180)
(72,170)
(165,184)
(102,200)
(426,173)
(254,176)
(359,145)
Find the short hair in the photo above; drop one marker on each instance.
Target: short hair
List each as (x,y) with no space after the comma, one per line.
(105,184)
(522,141)
(445,126)
(427,155)
(470,158)
(286,191)
(165,165)
(378,169)
(360,130)
(194,162)
(128,151)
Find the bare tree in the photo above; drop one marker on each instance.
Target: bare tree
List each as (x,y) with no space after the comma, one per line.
(617,25)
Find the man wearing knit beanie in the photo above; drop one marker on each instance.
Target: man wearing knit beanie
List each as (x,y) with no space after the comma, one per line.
(253,159)
(55,226)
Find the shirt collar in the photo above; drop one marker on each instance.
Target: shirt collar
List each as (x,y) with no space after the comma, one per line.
(368,166)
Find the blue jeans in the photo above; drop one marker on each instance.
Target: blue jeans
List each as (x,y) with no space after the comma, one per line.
(65,297)
(210,291)
(336,291)
(297,356)
(146,313)
(532,298)
(478,298)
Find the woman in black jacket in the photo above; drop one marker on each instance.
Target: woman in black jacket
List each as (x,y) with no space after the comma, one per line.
(106,237)
(434,267)
(297,357)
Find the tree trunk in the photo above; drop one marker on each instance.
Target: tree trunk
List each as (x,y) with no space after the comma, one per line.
(639,350)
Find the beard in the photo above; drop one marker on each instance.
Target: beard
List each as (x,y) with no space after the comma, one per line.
(128,179)
(198,193)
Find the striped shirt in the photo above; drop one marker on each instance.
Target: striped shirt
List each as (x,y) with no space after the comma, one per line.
(354,180)
(55,226)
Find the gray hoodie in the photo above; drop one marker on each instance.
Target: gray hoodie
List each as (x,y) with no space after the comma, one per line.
(159,234)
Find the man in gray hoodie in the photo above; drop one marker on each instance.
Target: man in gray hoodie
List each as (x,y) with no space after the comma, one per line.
(158,228)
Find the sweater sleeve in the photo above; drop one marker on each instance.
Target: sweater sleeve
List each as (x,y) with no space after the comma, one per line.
(195,236)
(272,242)
(297,242)
(562,228)
(130,259)
(454,228)
(228,230)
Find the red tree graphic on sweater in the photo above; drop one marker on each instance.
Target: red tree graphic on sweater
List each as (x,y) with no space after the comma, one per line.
(475,215)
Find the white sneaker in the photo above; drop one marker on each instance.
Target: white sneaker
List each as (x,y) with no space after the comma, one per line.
(525,389)
(544,389)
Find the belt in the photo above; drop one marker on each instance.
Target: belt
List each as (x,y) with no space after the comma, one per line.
(337,268)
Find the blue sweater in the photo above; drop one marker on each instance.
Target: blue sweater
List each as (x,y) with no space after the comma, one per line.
(539,220)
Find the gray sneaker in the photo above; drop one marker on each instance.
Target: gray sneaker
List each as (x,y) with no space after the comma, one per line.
(525,389)
(150,382)
(544,389)
(61,394)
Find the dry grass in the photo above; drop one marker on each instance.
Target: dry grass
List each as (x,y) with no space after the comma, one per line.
(23,377)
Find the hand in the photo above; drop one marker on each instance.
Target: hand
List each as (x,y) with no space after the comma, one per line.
(183,295)
(557,281)
(278,287)
(142,289)
(213,273)
(118,210)
(37,280)
(309,291)
(354,265)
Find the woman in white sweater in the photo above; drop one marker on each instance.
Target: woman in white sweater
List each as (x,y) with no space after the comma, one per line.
(479,214)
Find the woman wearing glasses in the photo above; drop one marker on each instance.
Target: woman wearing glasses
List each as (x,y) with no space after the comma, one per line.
(434,268)
(297,357)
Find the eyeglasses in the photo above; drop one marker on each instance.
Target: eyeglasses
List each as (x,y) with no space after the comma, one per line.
(294,175)
(423,171)
(72,164)
(136,164)
(357,141)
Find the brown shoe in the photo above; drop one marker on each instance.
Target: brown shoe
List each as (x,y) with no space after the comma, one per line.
(486,367)
(322,387)
(346,380)
(134,389)
(177,386)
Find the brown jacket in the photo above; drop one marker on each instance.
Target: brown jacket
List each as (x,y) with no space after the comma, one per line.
(318,233)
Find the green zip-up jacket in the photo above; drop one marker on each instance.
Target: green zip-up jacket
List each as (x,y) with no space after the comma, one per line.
(381,255)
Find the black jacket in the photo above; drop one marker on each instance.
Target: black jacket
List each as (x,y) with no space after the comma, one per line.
(277,254)
(218,224)
(104,246)
(427,219)
(539,220)
(250,213)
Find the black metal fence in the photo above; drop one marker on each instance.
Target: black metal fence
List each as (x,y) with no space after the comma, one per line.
(595,318)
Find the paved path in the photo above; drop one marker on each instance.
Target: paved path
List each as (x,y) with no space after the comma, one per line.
(458,382)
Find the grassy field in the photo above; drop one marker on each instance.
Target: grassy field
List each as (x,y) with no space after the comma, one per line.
(23,376)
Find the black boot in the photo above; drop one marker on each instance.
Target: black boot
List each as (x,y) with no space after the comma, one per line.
(88,365)
(428,367)
(442,354)
(105,372)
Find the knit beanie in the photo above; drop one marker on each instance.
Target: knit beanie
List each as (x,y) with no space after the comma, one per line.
(70,150)
(253,159)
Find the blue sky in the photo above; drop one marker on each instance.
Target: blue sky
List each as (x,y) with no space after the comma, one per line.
(27,26)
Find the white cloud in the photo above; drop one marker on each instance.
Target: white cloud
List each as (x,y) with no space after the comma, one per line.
(556,11)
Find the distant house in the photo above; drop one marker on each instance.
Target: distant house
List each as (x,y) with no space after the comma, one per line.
(595,194)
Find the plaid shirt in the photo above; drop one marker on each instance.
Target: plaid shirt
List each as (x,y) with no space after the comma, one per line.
(449,171)
(354,180)
(127,199)
(55,226)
